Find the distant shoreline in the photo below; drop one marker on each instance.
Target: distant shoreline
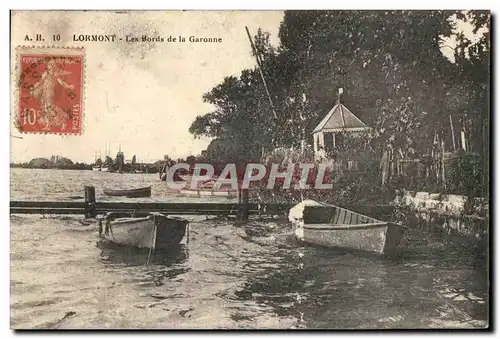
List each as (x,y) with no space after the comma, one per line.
(76,167)
(151,169)
(50,168)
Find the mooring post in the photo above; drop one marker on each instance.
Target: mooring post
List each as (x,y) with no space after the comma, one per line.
(90,205)
(244,205)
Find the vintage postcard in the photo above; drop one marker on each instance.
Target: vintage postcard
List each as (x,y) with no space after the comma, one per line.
(250,169)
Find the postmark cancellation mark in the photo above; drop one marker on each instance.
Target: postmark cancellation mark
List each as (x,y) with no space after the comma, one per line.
(50,90)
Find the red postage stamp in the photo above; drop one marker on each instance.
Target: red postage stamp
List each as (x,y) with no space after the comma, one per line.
(50,90)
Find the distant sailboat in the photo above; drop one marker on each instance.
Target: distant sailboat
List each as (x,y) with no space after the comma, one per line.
(97,164)
(105,168)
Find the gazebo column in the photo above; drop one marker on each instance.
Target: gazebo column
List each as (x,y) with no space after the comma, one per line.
(333,138)
(321,140)
(315,142)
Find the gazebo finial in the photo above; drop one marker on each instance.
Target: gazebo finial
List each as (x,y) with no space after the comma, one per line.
(341,90)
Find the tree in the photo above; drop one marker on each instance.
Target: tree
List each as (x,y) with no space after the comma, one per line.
(240,117)
(472,69)
(40,163)
(390,64)
(191,160)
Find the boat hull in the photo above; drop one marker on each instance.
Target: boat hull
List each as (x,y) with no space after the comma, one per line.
(157,232)
(336,227)
(144,192)
(381,239)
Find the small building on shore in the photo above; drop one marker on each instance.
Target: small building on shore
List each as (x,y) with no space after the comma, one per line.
(330,132)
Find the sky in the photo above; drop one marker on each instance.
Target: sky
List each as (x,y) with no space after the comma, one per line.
(138,96)
(461,26)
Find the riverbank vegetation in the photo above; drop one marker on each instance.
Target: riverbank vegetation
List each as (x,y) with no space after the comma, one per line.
(416,77)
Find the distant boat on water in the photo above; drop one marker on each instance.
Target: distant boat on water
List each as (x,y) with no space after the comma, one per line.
(100,168)
(143,192)
(99,165)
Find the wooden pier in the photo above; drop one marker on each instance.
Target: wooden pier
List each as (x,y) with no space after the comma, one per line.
(91,208)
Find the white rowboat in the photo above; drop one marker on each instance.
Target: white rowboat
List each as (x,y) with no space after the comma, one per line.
(333,226)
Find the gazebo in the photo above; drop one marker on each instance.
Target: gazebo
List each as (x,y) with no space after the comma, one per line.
(328,134)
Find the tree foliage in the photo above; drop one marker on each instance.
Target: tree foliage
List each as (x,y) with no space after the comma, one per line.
(392,69)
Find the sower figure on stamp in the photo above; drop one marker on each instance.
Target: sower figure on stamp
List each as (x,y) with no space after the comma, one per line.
(44,92)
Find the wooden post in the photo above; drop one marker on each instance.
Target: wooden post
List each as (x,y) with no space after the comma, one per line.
(243,209)
(452,135)
(244,205)
(443,170)
(463,136)
(90,205)
(390,172)
(486,159)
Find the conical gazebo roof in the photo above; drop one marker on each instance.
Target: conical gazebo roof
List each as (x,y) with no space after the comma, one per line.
(340,119)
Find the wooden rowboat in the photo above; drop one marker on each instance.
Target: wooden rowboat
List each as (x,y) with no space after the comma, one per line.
(333,226)
(155,231)
(142,192)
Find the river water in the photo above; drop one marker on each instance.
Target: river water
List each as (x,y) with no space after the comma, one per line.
(221,278)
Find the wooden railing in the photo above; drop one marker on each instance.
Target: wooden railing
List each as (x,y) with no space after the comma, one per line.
(90,208)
